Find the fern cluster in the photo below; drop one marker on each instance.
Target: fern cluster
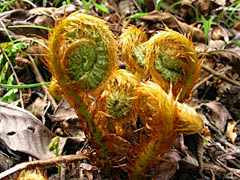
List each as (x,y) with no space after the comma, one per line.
(123,116)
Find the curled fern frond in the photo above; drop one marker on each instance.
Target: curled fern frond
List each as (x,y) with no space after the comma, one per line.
(163,119)
(83,53)
(82,58)
(133,49)
(158,114)
(117,100)
(172,59)
(189,121)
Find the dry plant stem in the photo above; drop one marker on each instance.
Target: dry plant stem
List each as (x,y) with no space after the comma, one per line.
(43,163)
(44,87)
(222,71)
(234,171)
(16,77)
(220,75)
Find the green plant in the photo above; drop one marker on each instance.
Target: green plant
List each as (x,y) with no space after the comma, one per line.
(7,77)
(219,17)
(169,57)
(159,3)
(207,26)
(7,3)
(54,145)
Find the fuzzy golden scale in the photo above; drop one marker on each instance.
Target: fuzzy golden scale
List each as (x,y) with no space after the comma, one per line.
(172,59)
(133,49)
(189,121)
(34,174)
(116,100)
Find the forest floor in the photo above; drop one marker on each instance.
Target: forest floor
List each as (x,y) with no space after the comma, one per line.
(214,28)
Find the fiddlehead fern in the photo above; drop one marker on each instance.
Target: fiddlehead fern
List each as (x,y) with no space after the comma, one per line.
(83,50)
(163,118)
(168,56)
(82,57)
(117,100)
(158,114)
(133,49)
(172,59)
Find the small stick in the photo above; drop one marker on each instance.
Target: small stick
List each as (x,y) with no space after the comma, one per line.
(221,71)
(220,75)
(234,171)
(16,77)
(44,163)
(44,87)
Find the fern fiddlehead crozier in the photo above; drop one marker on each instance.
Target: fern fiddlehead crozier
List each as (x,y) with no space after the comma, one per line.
(133,49)
(83,55)
(116,100)
(168,56)
(172,59)
(164,119)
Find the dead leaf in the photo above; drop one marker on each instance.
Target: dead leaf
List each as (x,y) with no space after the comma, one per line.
(216,114)
(64,112)
(231,131)
(226,57)
(37,107)
(21,131)
(161,19)
(167,168)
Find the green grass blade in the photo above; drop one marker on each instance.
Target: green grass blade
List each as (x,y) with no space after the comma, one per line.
(138,15)
(31,39)
(102,8)
(159,5)
(186,3)
(31,26)
(10,2)
(5,29)
(24,86)
(224,11)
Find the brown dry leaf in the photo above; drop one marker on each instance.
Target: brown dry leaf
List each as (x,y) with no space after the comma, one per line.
(36,16)
(226,57)
(167,168)
(218,32)
(124,8)
(179,144)
(23,132)
(162,19)
(37,107)
(216,114)
(64,112)
(232,131)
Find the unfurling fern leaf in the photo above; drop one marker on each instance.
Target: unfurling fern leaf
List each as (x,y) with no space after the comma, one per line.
(133,50)
(172,59)
(117,101)
(168,57)
(163,119)
(82,58)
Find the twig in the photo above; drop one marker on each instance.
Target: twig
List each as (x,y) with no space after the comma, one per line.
(234,171)
(44,163)
(221,71)
(136,4)
(16,77)
(44,87)
(220,75)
